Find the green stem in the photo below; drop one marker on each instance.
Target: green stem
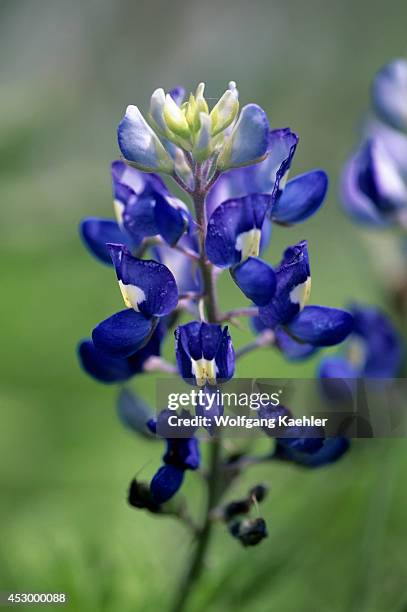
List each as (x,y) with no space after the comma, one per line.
(210,297)
(196,564)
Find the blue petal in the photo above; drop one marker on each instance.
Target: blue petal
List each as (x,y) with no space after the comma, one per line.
(266,231)
(183,453)
(96,233)
(301,440)
(228,227)
(302,197)
(249,139)
(135,196)
(257,324)
(380,341)
(166,482)
(171,220)
(389,93)
(133,412)
(134,180)
(200,340)
(154,213)
(106,368)
(395,142)
(103,367)
(150,286)
(256,279)
(291,349)
(263,177)
(140,145)
(225,357)
(152,348)
(196,340)
(292,276)
(139,217)
(177,94)
(321,326)
(355,202)
(282,146)
(379,177)
(122,334)
(331,450)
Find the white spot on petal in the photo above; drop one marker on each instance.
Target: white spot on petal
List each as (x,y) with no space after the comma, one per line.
(204,370)
(118,208)
(248,243)
(133,296)
(300,294)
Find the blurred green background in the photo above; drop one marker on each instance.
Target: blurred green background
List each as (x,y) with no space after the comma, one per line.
(336,536)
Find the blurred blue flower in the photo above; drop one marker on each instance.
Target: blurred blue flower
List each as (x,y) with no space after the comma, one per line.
(373,350)
(389,93)
(374,179)
(374,189)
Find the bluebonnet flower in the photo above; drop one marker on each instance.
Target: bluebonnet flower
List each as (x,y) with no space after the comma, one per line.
(235,169)
(107,368)
(389,94)
(374,180)
(373,350)
(149,292)
(374,189)
(181,454)
(144,208)
(298,327)
(233,240)
(204,353)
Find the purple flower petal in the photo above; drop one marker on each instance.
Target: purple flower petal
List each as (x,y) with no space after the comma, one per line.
(293,285)
(122,334)
(321,326)
(249,139)
(264,177)
(256,279)
(165,483)
(389,93)
(97,233)
(379,342)
(234,229)
(204,352)
(291,348)
(147,286)
(101,366)
(301,198)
